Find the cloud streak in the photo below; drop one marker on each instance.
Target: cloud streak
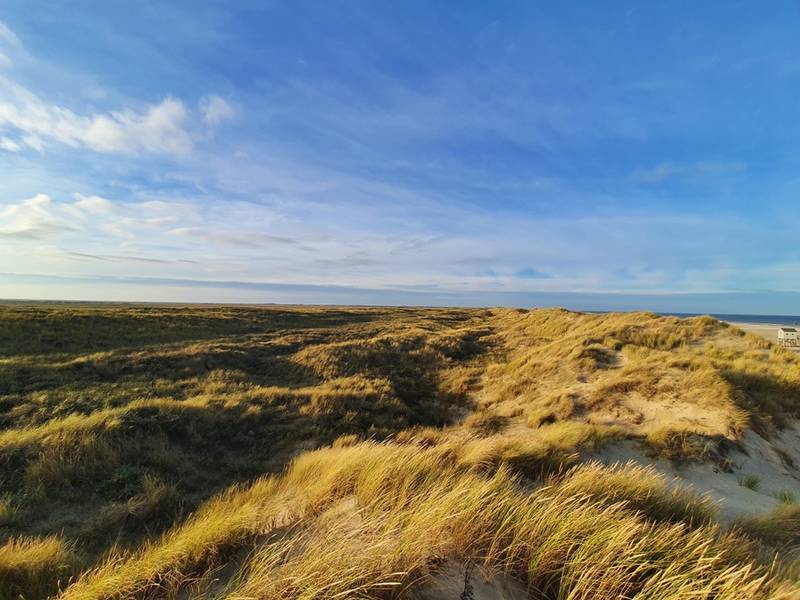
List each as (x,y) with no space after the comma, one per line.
(126,258)
(9,145)
(9,44)
(241,238)
(40,218)
(503,252)
(8,37)
(162,128)
(32,219)
(216,110)
(669,170)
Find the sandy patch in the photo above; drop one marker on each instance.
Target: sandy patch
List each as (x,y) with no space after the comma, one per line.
(453,581)
(641,415)
(770,466)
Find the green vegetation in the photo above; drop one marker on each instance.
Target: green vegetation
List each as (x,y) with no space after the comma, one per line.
(750,481)
(779,528)
(786,496)
(223,452)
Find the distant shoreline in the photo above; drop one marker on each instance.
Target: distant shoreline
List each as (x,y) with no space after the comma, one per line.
(768,331)
(755,320)
(733,318)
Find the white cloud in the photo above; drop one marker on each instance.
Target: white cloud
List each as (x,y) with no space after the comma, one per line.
(31,219)
(10,45)
(167,127)
(8,37)
(92,205)
(9,145)
(254,242)
(215,110)
(160,128)
(33,141)
(40,218)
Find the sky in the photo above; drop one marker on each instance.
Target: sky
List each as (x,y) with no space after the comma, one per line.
(599,155)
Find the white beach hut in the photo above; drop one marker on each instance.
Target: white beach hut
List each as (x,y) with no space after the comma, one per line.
(788,336)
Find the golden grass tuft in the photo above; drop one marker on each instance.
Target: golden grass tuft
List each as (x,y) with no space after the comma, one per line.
(34,567)
(641,489)
(532,454)
(780,528)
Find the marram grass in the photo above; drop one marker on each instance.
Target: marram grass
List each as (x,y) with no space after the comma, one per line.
(162,452)
(374,521)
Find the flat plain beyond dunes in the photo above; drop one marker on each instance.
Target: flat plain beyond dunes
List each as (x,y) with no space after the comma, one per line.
(229,452)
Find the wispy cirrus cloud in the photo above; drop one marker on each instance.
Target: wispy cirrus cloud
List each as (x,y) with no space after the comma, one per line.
(215,110)
(670,170)
(8,37)
(41,218)
(234,238)
(9,145)
(254,242)
(126,258)
(9,43)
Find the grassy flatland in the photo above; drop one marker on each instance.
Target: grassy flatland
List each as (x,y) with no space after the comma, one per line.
(297,452)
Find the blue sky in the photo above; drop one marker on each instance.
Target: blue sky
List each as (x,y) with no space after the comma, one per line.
(641,155)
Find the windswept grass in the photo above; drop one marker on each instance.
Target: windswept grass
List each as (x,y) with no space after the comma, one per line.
(641,489)
(34,567)
(786,496)
(146,451)
(779,528)
(405,510)
(228,521)
(549,449)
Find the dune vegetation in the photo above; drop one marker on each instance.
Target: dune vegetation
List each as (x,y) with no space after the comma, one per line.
(221,452)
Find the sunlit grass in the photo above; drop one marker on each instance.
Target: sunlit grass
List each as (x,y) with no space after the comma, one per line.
(136,434)
(779,528)
(410,508)
(33,567)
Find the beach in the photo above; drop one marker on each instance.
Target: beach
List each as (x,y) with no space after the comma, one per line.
(766,330)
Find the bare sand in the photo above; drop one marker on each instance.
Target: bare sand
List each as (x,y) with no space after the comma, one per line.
(770,464)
